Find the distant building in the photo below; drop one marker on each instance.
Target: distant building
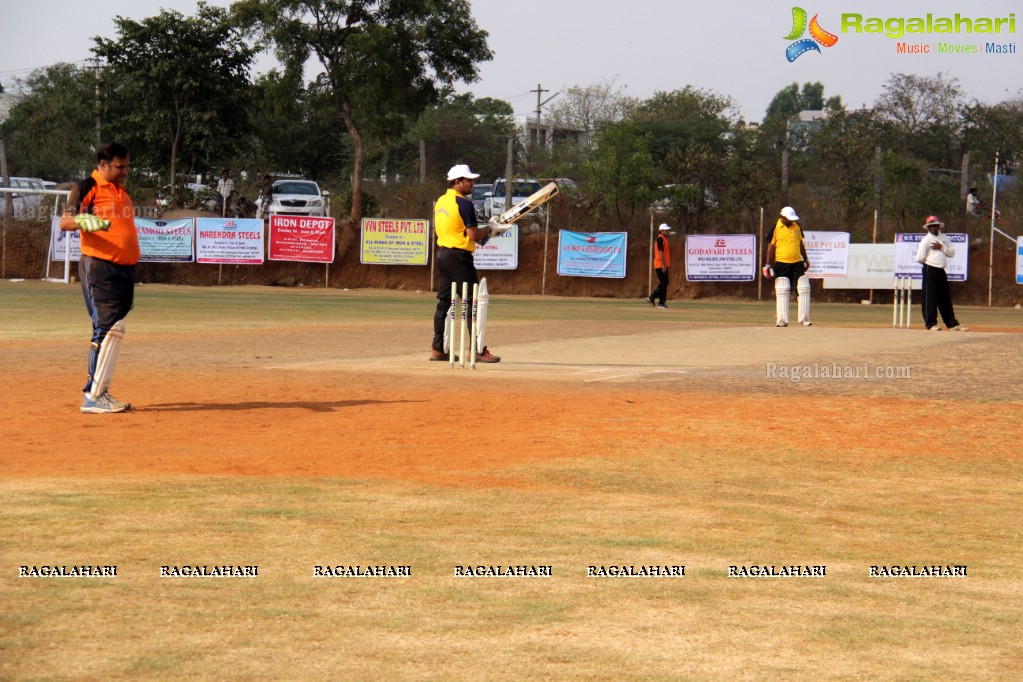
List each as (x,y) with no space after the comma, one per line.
(801,124)
(546,134)
(7,102)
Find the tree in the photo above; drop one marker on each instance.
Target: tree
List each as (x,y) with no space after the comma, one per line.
(462,129)
(51,131)
(690,142)
(842,149)
(621,171)
(924,117)
(175,83)
(588,108)
(384,60)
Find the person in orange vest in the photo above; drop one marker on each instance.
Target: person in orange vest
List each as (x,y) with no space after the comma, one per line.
(662,261)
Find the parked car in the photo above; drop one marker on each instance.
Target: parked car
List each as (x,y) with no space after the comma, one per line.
(297,197)
(521,189)
(27,205)
(479,198)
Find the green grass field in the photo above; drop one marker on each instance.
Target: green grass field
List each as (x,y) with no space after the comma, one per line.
(380,458)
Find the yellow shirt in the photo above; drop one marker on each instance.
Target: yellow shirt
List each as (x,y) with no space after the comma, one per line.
(787,240)
(451,215)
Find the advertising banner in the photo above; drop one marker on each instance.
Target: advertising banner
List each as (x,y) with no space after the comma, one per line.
(61,240)
(230,241)
(905,255)
(166,241)
(721,258)
(499,253)
(871,266)
(301,238)
(1019,260)
(399,241)
(828,253)
(592,254)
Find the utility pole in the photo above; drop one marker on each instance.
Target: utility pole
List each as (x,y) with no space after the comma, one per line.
(99,134)
(539,105)
(539,93)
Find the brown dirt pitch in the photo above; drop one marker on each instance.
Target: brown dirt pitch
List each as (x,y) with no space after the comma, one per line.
(303,432)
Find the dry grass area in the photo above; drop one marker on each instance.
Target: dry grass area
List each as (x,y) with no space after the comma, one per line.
(293,429)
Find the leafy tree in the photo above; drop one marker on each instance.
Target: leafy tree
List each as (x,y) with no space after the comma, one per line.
(58,108)
(622,176)
(294,126)
(842,149)
(384,60)
(177,84)
(923,115)
(462,129)
(690,141)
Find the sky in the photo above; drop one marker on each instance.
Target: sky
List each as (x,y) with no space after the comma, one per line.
(736,49)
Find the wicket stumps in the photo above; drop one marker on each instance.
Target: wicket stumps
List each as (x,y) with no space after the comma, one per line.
(902,302)
(466,325)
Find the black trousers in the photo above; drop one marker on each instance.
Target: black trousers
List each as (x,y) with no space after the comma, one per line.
(455,265)
(661,292)
(937,298)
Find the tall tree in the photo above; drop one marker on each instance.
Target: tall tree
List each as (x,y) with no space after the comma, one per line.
(174,82)
(385,60)
(58,107)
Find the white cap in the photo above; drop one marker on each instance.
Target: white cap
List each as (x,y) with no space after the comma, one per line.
(664,227)
(789,213)
(461,171)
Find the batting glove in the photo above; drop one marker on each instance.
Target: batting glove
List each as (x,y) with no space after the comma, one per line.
(87,222)
(768,272)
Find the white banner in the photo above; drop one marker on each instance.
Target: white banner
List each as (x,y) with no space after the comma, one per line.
(871,266)
(234,241)
(721,258)
(166,241)
(905,255)
(59,241)
(499,253)
(828,253)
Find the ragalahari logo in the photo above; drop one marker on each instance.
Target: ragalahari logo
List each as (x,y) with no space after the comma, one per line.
(817,35)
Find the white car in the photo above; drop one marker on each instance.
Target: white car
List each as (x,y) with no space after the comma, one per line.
(521,189)
(297,197)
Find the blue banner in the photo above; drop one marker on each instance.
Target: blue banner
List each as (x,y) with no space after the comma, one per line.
(592,254)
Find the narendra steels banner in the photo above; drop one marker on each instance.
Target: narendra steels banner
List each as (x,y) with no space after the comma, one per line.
(828,253)
(394,242)
(592,254)
(905,255)
(230,241)
(721,258)
(499,253)
(301,238)
(165,241)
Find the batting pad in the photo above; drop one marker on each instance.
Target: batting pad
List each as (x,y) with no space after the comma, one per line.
(803,291)
(107,359)
(482,303)
(782,291)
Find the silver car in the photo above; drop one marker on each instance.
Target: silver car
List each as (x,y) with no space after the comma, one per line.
(297,197)
(27,205)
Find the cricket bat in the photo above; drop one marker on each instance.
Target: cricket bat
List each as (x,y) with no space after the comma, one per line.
(502,223)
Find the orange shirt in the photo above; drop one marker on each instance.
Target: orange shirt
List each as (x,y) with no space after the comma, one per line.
(662,261)
(119,244)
